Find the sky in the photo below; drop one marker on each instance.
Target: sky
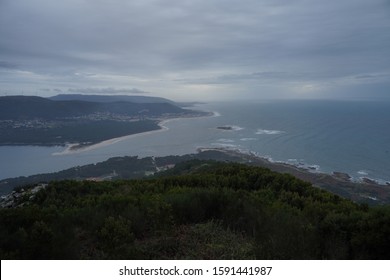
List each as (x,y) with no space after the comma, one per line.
(197,49)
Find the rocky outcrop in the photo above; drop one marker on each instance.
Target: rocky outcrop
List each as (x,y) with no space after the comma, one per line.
(20,197)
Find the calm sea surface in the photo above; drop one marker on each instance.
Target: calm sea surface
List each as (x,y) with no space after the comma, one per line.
(351,137)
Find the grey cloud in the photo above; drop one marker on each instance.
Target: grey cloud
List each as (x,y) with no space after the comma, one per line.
(7,65)
(260,77)
(373,76)
(237,78)
(50,90)
(160,42)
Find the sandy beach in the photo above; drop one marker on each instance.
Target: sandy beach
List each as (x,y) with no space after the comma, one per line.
(75,148)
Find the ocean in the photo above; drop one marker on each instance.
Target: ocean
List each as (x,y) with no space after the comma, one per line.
(323,136)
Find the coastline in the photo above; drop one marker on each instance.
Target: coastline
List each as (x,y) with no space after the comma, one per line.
(75,148)
(336,182)
(312,169)
(330,179)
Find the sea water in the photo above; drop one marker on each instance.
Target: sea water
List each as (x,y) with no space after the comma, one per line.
(350,137)
(323,136)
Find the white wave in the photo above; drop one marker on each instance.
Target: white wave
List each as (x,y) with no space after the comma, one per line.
(268,132)
(236,127)
(216,114)
(223,140)
(374,180)
(248,139)
(315,167)
(224,145)
(296,162)
(363,172)
(300,163)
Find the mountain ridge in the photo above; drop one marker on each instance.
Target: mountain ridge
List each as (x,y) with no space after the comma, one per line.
(29,107)
(111,98)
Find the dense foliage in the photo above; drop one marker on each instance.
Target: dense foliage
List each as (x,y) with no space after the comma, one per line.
(201,210)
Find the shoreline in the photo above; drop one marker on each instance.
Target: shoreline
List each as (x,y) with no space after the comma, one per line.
(304,167)
(298,168)
(75,148)
(337,182)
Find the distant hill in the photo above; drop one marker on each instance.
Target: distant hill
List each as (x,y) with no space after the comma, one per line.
(28,107)
(116,98)
(111,98)
(31,107)
(33,120)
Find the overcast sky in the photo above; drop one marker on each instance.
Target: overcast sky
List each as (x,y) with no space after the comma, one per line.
(197,49)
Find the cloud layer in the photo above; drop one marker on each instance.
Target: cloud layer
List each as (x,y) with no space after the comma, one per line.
(197,49)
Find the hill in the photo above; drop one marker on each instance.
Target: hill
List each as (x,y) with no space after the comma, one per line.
(34,107)
(207,210)
(127,167)
(116,98)
(33,120)
(135,168)
(111,98)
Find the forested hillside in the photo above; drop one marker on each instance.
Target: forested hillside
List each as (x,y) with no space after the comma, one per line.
(200,210)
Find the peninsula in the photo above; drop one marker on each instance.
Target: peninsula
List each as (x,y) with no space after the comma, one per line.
(82,120)
(132,167)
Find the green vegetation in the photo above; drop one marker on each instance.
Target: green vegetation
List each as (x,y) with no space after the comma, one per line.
(86,132)
(200,210)
(135,168)
(127,167)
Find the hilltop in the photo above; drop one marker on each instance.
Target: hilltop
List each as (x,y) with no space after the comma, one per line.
(133,167)
(197,210)
(116,98)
